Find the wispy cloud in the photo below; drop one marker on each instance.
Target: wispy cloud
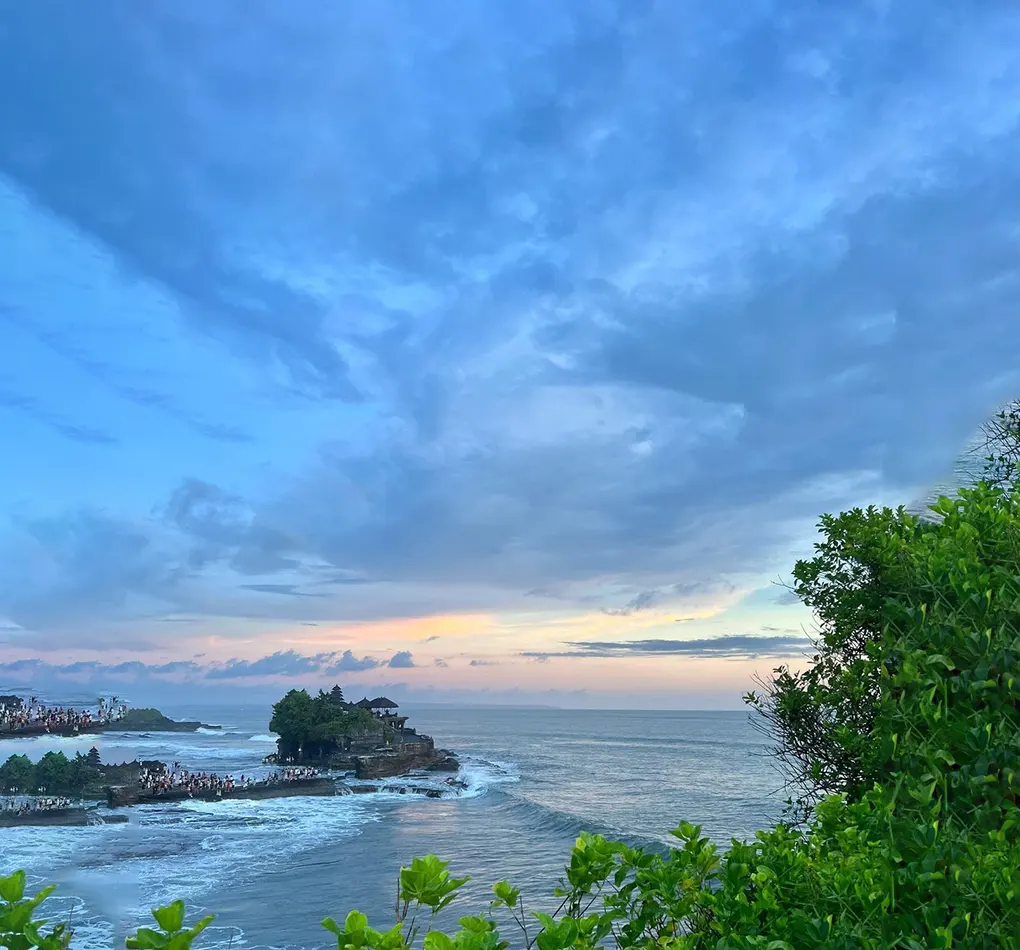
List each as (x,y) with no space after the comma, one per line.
(729,645)
(75,431)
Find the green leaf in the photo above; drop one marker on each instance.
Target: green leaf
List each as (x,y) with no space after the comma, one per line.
(356,922)
(171,917)
(438,941)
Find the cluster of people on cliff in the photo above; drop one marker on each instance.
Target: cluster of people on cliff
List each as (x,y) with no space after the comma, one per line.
(39,718)
(174,780)
(13,806)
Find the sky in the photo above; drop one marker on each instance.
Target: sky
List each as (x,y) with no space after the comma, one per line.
(502,351)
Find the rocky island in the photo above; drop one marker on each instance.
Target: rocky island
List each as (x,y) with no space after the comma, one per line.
(369,738)
(152,720)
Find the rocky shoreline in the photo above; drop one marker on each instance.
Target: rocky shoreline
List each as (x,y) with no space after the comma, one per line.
(119,796)
(123,796)
(58,817)
(417,753)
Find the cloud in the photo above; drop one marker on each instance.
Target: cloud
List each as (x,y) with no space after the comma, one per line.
(478,662)
(349,663)
(401,660)
(74,431)
(284,590)
(729,645)
(130,391)
(641,601)
(439,661)
(723,292)
(284,663)
(786,598)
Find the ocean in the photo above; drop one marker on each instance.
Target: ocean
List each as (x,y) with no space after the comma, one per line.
(272,870)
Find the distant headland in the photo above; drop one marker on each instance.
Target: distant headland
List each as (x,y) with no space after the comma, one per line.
(20,718)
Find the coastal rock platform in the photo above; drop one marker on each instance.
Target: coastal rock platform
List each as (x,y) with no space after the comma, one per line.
(119,796)
(58,817)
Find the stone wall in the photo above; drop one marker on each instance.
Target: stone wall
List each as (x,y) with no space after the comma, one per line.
(403,758)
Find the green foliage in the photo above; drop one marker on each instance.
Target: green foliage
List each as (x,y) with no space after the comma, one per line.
(920,850)
(1002,446)
(53,774)
(18,929)
(172,934)
(310,728)
(141,719)
(820,719)
(17,774)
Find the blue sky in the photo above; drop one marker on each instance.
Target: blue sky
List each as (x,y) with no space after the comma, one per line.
(464,349)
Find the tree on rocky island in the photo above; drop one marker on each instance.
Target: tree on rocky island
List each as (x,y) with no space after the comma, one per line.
(314,728)
(17,774)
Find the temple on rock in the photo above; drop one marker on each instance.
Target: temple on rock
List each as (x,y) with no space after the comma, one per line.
(384,709)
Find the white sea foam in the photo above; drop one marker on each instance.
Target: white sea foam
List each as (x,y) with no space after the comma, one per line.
(263,737)
(202,731)
(479,775)
(174,851)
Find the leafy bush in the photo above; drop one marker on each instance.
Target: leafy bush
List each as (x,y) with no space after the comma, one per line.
(54,774)
(19,931)
(920,850)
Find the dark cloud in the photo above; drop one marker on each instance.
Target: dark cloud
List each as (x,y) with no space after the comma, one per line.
(401,660)
(87,173)
(730,645)
(642,601)
(439,661)
(285,590)
(478,662)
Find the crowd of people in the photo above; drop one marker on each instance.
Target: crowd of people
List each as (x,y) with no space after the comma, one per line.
(34,716)
(28,806)
(174,780)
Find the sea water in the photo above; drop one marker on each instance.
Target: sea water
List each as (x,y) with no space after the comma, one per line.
(271,870)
